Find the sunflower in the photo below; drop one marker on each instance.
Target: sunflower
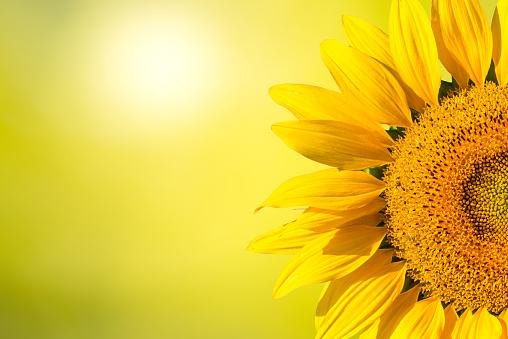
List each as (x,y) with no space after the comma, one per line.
(409,228)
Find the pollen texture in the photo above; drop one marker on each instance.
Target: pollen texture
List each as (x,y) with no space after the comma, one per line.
(447,198)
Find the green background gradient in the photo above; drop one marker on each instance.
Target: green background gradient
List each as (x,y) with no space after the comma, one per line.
(135,144)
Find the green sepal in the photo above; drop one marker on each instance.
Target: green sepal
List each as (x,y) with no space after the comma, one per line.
(409,283)
(395,133)
(385,244)
(455,83)
(491,75)
(422,296)
(446,88)
(415,115)
(376,172)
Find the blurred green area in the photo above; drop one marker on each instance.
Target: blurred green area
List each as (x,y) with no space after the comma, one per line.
(127,215)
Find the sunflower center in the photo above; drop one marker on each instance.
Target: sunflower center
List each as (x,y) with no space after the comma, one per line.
(485,198)
(447,198)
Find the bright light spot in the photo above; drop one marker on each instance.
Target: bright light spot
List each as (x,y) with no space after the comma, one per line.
(153,70)
(157,63)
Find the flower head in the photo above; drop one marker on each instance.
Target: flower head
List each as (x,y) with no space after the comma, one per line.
(409,229)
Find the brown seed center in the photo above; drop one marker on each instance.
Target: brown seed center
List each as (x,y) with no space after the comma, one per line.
(485,198)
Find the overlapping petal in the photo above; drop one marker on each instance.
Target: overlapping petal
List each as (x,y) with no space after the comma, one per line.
(425,320)
(414,49)
(502,320)
(282,240)
(309,226)
(327,189)
(368,39)
(394,314)
(480,325)
(368,82)
(485,324)
(500,41)
(333,143)
(467,35)
(374,42)
(370,332)
(358,299)
(315,103)
(451,319)
(334,290)
(319,220)
(331,256)
(446,57)
(463,325)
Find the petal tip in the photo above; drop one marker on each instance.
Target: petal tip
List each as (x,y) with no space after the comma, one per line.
(348,19)
(258,209)
(280,291)
(282,286)
(326,43)
(251,247)
(276,294)
(274,90)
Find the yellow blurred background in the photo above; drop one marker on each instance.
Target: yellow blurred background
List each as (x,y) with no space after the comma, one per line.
(135,144)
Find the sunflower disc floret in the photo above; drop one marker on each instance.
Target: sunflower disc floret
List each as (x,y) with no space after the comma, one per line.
(447,198)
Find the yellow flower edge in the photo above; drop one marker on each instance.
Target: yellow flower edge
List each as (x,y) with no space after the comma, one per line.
(420,251)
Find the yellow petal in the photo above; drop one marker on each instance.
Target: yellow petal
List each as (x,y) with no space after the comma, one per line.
(308,102)
(446,57)
(414,49)
(467,35)
(357,300)
(327,189)
(425,320)
(480,325)
(331,256)
(374,42)
(370,332)
(319,319)
(368,82)
(463,325)
(502,320)
(282,240)
(450,321)
(394,314)
(320,220)
(500,40)
(330,292)
(333,143)
(368,39)
(313,222)
(483,325)
(315,103)
(413,100)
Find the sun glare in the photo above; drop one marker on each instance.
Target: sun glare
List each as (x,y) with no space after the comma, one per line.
(153,68)
(156,63)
